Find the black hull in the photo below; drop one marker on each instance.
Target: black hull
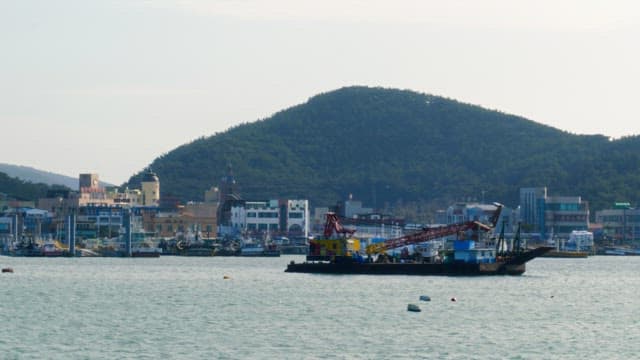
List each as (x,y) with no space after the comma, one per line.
(262,254)
(452,269)
(566,254)
(515,265)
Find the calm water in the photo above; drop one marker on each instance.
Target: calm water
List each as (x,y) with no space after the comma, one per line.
(182,308)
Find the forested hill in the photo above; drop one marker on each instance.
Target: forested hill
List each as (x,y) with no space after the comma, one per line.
(24,190)
(389,146)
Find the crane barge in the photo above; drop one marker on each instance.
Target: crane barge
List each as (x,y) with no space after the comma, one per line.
(339,253)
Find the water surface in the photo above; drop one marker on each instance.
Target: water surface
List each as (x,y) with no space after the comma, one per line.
(183,308)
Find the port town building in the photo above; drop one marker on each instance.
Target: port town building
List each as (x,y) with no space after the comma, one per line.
(62,202)
(25,222)
(193,218)
(7,202)
(99,210)
(620,224)
(552,215)
(276,217)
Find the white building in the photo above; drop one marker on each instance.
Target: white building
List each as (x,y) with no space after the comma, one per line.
(272,216)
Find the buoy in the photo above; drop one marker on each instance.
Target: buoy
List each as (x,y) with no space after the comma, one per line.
(454,299)
(413,307)
(425,298)
(7,270)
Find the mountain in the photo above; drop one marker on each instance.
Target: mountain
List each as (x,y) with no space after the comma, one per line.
(35,176)
(399,148)
(19,189)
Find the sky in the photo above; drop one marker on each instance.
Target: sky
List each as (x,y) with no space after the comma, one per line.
(108,86)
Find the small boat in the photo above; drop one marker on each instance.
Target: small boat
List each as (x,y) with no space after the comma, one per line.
(425,298)
(259,250)
(7,270)
(51,250)
(413,308)
(151,252)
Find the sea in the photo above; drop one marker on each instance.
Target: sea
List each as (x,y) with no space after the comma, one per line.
(249,308)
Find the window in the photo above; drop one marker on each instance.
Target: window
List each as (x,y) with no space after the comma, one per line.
(267,215)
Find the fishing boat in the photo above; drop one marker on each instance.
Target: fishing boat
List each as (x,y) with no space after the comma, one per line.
(269,250)
(152,252)
(579,245)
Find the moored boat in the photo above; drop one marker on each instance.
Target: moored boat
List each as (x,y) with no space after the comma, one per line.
(259,250)
(565,254)
(152,252)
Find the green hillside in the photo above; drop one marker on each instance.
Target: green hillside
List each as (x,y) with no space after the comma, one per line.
(394,147)
(23,190)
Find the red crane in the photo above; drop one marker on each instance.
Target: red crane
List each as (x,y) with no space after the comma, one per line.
(333,225)
(432,233)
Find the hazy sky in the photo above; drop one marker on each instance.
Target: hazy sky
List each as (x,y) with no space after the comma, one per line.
(107,86)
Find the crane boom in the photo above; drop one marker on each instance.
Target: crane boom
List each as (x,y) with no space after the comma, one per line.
(422,236)
(432,233)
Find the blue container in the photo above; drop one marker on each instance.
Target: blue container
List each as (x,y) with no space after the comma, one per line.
(464,244)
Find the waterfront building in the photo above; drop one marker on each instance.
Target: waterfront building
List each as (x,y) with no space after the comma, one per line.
(620,224)
(276,217)
(7,202)
(26,222)
(128,197)
(87,181)
(532,208)
(99,210)
(557,215)
(564,214)
(150,189)
(193,218)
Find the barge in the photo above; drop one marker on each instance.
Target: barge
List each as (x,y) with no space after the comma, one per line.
(341,255)
(513,265)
